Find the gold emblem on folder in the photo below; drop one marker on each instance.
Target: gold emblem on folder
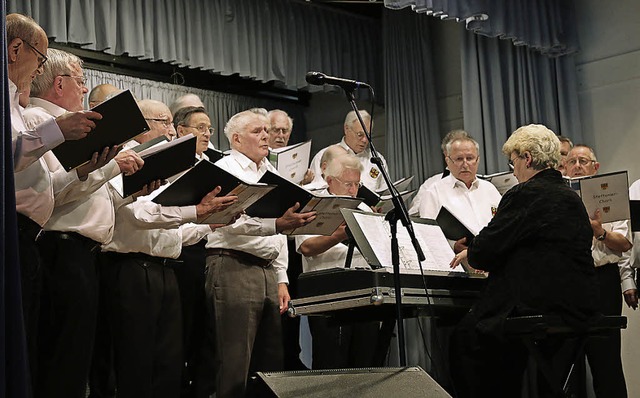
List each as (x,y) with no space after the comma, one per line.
(606,209)
(604,186)
(295,155)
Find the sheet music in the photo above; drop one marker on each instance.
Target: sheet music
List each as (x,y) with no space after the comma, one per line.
(437,251)
(328,217)
(292,162)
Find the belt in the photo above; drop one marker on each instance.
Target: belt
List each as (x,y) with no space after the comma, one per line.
(29,228)
(91,244)
(248,258)
(169,262)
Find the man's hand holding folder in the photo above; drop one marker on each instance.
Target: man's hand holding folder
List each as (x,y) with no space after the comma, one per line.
(292,220)
(211,203)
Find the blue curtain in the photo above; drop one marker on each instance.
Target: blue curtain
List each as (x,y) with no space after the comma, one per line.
(13,352)
(547,26)
(275,40)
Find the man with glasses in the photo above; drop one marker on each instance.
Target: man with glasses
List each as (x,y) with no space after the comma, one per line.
(609,248)
(338,346)
(280,127)
(160,121)
(356,143)
(26,54)
(80,222)
(194,120)
(471,200)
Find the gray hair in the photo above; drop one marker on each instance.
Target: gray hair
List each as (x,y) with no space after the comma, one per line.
(237,122)
(58,63)
(451,136)
(562,138)
(22,27)
(541,142)
(591,151)
(466,138)
(151,108)
(274,112)
(332,152)
(352,117)
(339,164)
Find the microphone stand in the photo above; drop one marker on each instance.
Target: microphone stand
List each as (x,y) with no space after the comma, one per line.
(399,212)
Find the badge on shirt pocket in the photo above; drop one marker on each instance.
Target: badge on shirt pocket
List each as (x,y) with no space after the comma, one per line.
(374,173)
(493,210)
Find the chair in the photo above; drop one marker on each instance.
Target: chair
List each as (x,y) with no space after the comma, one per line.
(535,330)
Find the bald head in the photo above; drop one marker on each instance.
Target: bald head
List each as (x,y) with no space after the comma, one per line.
(329,154)
(100,93)
(184,101)
(159,118)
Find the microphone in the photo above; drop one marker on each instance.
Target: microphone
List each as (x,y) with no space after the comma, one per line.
(318,79)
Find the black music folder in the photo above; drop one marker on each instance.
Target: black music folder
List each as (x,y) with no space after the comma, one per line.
(213,154)
(204,177)
(121,121)
(452,228)
(161,161)
(150,143)
(373,198)
(286,194)
(634,207)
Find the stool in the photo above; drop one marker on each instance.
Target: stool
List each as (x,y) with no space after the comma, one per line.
(533,330)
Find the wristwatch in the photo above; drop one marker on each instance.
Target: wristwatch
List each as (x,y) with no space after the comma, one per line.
(603,236)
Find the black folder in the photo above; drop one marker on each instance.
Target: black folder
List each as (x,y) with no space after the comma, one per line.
(634,206)
(214,154)
(121,121)
(170,159)
(277,202)
(192,186)
(452,227)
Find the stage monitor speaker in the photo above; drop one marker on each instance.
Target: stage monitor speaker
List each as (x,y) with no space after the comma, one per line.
(351,383)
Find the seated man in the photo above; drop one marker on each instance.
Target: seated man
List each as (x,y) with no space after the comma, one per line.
(338,346)
(355,142)
(469,199)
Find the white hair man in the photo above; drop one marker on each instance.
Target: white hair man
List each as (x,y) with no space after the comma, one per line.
(246,267)
(356,143)
(469,199)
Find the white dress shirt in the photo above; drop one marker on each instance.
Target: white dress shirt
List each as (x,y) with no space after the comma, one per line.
(474,206)
(85,207)
(634,259)
(371,177)
(335,256)
(29,145)
(415,203)
(256,236)
(603,255)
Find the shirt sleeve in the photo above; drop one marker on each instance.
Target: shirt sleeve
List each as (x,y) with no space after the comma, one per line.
(29,145)
(252,226)
(280,263)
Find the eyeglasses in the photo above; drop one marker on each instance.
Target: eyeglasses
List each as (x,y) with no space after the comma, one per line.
(460,161)
(581,160)
(201,128)
(349,184)
(42,58)
(281,130)
(165,122)
(79,79)
(512,161)
(359,134)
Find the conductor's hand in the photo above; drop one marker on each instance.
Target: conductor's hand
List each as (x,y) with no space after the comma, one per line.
(97,161)
(631,298)
(283,297)
(460,245)
(147,189)
(290,219)
(212,204)
(458,259)
(129,162)
(76,125)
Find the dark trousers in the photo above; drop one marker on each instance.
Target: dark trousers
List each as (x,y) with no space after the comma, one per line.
(603,352)
(102,379)
(144,311)
(31,281)
(243,302)
(191,278)
(67,314)
(343,346)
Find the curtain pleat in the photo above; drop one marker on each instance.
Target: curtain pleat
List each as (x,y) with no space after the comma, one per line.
(220,106)
(548,26)
(505,87)
(275,40)
(413,135)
